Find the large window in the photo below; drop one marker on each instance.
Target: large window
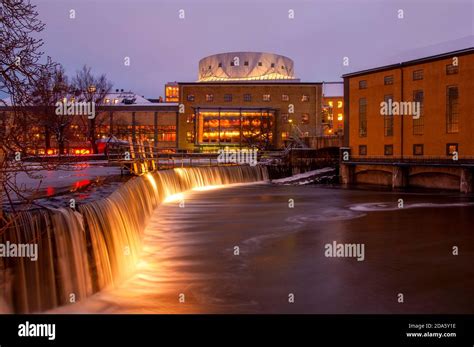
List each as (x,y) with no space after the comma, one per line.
(417,75)
(419,124)
(452,69)
(452,110)
(387,80)
(363,84)
(362,117)
(388,119)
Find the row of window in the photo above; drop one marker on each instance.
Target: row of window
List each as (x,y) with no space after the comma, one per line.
(246,63)
(452,113)
(417,75)
(247,97)
(418,149)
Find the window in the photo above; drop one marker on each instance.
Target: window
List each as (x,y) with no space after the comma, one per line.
(189,137)
(339,104)
(260,63)
(452,111)
(362,117)
(387,80)
(282,67)
(419,124)
(285,97)
(417,149)
(388,150)
(305,118)
(284,118)
(266,97)
(209,67)
(220,65)
(452,69)
(363,84)
(285,135)
(451,148)
(362,149)
(190,97)
(388,119)
(246,63)
(417,75)
(227,97)
(247,97)
(272,65)
(190,118)
(305,98)
(210,97)
(232,63)
(340,117)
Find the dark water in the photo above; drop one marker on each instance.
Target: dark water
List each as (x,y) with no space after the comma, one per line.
(190,251)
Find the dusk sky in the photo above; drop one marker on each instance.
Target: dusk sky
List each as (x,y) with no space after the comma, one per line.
(162,47)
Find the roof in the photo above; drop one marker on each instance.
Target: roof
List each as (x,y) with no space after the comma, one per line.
(289,82)
(411,62)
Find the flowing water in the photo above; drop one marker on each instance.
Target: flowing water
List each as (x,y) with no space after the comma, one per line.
(189,262)
(98,245)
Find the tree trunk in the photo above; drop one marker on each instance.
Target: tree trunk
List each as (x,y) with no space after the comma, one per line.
(92,125)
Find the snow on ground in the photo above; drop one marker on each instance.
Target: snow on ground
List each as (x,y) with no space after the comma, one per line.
(304,176)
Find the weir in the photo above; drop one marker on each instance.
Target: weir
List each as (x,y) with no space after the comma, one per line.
(96,246)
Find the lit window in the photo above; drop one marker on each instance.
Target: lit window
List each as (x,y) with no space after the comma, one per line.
(285,97)
(339,104)
(210,97)
(339,116)
(107,101)
(285,135)
(331,104)
(305,98)
(266,97)
(284,118)
(451,148)
(115,101)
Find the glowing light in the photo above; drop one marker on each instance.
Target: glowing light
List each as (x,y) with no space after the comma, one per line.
(339,116)
(331,104)
(339,104)
(174,198)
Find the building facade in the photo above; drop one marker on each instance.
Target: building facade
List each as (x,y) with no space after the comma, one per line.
(410,124)
(442,86)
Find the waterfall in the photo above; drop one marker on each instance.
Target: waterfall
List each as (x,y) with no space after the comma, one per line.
(97,245)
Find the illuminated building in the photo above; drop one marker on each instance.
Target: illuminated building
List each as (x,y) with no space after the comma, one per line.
(246,99)
(440,136)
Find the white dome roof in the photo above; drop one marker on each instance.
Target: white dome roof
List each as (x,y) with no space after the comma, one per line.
(245,66)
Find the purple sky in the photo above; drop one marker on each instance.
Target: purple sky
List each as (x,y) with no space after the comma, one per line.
(164,48)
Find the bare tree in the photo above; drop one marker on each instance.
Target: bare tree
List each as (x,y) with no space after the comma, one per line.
(90,88)
(52,87)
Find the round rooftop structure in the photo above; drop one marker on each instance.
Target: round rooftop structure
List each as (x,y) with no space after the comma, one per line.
(245,66)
